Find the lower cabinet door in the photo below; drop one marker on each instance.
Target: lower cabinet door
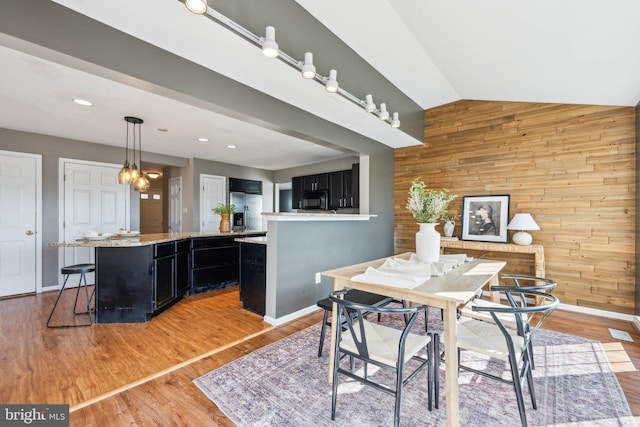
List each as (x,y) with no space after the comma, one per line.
(182,273)
(164,274)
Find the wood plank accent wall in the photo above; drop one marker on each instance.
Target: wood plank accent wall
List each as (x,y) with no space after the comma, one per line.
(571,166)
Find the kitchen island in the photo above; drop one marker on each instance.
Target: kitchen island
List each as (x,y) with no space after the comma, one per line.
(139,277)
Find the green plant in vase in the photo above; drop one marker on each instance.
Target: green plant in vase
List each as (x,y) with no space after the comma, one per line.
(225,211)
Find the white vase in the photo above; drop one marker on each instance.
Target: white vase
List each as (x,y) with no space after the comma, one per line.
(448,228)
(428,243)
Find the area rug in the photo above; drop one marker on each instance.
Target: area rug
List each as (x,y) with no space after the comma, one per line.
(285,384)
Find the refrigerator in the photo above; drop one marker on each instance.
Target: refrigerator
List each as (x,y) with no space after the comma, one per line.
(248,211)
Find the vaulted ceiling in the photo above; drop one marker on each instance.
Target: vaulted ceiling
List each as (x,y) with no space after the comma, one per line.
(411,54)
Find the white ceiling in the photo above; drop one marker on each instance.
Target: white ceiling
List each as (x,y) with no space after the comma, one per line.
(436,52)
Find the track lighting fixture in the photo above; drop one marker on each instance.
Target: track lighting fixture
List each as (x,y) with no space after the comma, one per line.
(384,114)
(332,83)
(308,69)
(269,45)
(370,106)
(395,122)
(196,6)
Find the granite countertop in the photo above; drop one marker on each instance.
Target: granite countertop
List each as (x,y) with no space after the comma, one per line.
(261,240)
(143,239)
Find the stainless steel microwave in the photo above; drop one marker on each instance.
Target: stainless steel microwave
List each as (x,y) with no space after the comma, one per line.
(315,200)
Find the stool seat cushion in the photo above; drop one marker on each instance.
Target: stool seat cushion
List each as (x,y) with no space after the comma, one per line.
(78,269)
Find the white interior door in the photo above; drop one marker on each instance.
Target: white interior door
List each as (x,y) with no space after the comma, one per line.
(19,212)
(175,205)
(213,190)
(92,200)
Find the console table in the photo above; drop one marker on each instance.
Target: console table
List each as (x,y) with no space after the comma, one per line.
(536,250)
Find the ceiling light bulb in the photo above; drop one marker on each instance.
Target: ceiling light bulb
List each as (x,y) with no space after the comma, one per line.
(332,83)
(308,69)
(370,107)
(395,122)
(269,45)
(196,6)
(384,114)
(231,146)
(203,139)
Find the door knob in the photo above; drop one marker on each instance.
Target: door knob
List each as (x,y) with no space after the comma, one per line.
(29,233)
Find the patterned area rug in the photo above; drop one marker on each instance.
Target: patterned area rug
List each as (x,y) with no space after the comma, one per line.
(285,384)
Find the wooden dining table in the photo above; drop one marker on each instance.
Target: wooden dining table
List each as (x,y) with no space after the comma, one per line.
(448,292)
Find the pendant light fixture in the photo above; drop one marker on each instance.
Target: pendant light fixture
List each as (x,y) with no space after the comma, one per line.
(130,174)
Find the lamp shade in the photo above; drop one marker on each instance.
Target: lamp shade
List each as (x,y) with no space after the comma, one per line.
(522,221)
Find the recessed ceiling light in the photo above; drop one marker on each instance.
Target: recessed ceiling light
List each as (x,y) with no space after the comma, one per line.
(232,146)
(83,102)
(203,139)
(162,129)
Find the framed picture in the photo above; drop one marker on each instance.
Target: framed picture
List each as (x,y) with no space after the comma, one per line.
(485,218)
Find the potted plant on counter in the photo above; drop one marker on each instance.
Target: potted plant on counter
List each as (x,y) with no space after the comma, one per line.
(225,212)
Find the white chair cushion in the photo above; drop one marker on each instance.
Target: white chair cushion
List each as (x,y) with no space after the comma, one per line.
(486,338)
(382,342)
(507,319)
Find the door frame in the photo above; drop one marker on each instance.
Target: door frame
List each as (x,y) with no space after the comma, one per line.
(38,195)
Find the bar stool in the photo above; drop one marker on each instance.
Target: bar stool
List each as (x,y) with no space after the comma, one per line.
(80,269)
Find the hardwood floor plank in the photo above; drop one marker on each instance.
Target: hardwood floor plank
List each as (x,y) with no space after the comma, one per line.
(141,374)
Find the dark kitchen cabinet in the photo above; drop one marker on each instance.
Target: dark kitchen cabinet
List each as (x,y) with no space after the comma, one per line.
(343,192)
(136,283)
(248,186)
(253,276)
(170,272)
(215,262)
(318,182)
(296,192)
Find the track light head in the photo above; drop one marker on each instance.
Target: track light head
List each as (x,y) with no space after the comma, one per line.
(332,83)
(308,69)
(269,45)
(370,106)
(395,122)
(384,114)
(196,6)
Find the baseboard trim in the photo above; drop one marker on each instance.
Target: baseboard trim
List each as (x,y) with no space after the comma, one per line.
(289,317)
(596,312)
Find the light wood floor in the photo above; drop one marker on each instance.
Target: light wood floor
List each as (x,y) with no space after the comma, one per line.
(141,374)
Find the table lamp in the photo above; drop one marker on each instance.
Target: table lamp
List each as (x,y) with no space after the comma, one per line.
(522,222)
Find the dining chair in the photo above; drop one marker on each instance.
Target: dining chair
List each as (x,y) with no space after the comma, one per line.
(496,340)
(354,295)
(389,348)
(530,283)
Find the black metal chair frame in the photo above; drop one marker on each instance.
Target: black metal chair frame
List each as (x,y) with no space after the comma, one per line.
(353,315)
(82,270)
(327,305)
(520,369)
(548,287)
